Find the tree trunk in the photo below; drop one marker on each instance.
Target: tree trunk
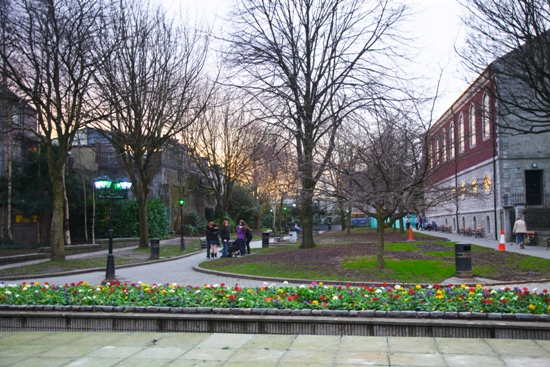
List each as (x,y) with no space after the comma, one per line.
(380,244)
(143,225)
(67,226)
(307,213)
(57,240)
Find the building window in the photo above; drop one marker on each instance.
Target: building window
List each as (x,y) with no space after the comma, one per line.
(452,140)
(444,145)
(437,153)
(474,186)
(472,125)
(533,187)
(485,122)
(430,156)
(461,132)
(462,189)
(488,224)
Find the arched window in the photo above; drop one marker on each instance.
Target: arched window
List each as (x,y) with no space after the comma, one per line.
(461,132)
(475,223)
(485,121)
(472,125)
(452,140)
(463,223)
(474,186)
(444,145)
(488,224)
(430,155)
(437,152)
(454,224)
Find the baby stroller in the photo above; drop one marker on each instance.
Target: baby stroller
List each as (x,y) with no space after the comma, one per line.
(233,249)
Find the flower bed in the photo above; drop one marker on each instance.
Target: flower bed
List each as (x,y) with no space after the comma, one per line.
(316,296)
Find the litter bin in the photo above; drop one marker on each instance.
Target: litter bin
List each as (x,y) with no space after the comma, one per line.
(463,260)
(155,248)
(265,239)
(293,236)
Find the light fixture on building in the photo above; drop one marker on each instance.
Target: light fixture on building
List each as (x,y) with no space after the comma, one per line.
(534,165)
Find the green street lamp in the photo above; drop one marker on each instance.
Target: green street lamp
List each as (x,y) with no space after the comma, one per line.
(182,241)
(112,190)
(284,209)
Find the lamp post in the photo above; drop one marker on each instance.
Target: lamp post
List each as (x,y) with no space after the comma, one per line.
(182,242)
(294,213)
(112,190)
(284,229)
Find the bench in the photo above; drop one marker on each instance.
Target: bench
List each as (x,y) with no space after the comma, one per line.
(465,231)
(531,235)
(278,237)
(203,242)
(478,232)
(447,229)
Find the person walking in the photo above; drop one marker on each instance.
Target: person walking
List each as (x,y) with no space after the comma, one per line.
(225,236)
(416,220)
(241,236)
(520,228)
(212,239)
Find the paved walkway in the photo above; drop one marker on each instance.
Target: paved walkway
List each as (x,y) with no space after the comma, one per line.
(99,349)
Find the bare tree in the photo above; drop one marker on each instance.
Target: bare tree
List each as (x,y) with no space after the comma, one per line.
(224,139)
(508,41)
(151,87)
(309,64)
(49,59)
(389,171)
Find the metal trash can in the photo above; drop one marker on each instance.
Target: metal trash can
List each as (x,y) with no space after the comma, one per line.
(293,237)
(155,248)
(463,260)
(265,239)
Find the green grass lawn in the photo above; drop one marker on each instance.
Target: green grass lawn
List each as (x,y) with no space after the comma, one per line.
(341,257)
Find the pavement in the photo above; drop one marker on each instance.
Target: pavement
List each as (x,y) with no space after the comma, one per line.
(136,349)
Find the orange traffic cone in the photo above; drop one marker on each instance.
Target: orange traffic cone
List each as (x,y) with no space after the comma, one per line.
(502,244)
(411,234)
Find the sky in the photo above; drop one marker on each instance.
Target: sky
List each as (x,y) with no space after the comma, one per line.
(435,24)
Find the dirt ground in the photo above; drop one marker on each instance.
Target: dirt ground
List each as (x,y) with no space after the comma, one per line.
(504,266)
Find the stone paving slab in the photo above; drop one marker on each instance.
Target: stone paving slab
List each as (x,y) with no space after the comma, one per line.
(202,349)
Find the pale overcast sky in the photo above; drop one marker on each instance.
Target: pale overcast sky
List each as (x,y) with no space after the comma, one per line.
(436,25)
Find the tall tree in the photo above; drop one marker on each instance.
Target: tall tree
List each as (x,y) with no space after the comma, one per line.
(152,88)
(309,64)
(223,139)
(49,58)
(512,38)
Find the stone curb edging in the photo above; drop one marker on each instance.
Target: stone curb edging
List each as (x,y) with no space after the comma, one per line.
(269,321)
(354,283)
(450,315)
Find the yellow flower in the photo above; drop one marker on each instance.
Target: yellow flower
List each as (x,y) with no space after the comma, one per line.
(315,302)
(320,283)
(479,286)
(37,284)
(418,286)
(462,286)
(531,306)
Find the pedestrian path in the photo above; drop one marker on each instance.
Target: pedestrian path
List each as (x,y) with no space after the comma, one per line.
(178,271)
(100,349)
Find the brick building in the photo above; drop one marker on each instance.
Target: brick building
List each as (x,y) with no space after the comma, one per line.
(498,173)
